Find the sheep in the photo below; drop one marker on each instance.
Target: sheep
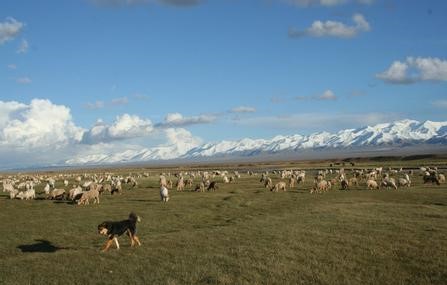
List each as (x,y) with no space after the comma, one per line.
(57,194)
(441,178)
(292,181)
(13,193)
(74,193)
(344,184)
(65,183)
(353,181)
(28,194)
(268,182)
(279,186)
(180,184)
(372,184)
(404,181)
(320,186)
(88,195)
(431,178)
(164,194)
(212,186)
(47,189)
(107,187)
(389,182)
(200,187)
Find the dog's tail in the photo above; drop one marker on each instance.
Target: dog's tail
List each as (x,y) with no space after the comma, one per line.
(133,217)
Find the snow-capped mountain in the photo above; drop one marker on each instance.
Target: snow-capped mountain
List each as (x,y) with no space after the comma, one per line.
(395,134)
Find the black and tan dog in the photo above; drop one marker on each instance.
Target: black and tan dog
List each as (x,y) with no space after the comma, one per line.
(115,229)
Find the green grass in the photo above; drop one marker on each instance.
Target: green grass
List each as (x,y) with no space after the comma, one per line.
(240,234)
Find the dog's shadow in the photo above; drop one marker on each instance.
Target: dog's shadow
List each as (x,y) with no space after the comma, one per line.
(40,246)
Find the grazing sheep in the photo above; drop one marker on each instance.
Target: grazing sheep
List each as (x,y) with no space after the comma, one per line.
(107,187)
(89,195)
(389,182)
(30,194)
(13,193)
(180,184)
(320,186)
(200,187)
(212,186)
(353,181)
(344,184)
(57,194)
(441,178)
(116,188)
(47,189)
(164,194)
(74,193)
(372,184)
(291,181)
(404,181)
(268,182)
(279,186)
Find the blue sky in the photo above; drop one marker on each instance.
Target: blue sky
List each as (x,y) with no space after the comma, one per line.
(229,69)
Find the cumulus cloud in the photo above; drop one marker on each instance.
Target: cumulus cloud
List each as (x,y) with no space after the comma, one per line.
(415,69)
(24,80)
(9,29)
(181,139)
(326,3)
(333,29)
(173,120)
(243,109)
(23,47)
(125,127)
(39,124)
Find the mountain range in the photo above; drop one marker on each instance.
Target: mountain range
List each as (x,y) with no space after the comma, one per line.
(402,133)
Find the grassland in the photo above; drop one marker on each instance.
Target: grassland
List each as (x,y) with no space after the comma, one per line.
(240,234)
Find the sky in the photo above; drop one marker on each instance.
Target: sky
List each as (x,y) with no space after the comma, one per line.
(95,76)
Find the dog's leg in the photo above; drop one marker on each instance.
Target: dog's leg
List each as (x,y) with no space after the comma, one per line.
(137,239)
(107,245)
(132,243)
(116,242)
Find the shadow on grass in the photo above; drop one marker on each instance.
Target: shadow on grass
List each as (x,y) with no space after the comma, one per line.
(40,246)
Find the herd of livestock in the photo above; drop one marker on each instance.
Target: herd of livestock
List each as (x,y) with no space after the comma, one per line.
(82,189)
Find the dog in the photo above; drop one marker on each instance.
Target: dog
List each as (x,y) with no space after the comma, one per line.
(115,229)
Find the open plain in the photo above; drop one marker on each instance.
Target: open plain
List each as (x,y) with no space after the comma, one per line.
(242,233)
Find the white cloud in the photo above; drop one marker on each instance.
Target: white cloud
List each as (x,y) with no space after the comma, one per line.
(125,127)
(326,3)
(243,109)
(12,66)
(178,120)
(181,140)
(440,104)
(333,29)
(415,69)
(327,95)
(120,101)
(38,125)
(23,47)
(23,80)
(94,106)
(10,29)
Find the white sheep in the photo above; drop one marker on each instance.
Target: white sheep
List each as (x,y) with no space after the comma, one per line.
(164,194)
